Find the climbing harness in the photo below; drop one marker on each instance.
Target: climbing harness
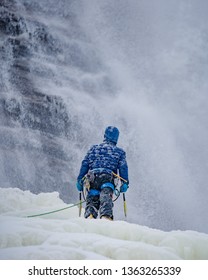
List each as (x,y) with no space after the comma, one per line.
(86,188)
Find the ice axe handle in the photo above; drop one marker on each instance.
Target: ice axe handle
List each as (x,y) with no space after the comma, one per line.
(120,177)
(125,208)
(80,204)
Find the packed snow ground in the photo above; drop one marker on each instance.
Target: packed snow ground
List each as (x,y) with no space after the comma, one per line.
(63,235)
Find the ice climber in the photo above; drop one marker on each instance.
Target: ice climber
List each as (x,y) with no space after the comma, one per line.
(99,164)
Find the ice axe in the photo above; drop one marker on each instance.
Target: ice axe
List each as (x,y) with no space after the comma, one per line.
(80,204)
(124,197)
(124,203)
(86,184)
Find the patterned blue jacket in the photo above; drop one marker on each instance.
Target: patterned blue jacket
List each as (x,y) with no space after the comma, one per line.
(107,156)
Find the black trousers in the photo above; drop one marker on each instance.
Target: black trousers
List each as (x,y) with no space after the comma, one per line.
(101,203)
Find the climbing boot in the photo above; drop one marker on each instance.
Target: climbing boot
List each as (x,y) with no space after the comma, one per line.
(107,218)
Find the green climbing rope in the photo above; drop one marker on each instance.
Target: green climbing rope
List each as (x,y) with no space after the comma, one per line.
(54,211)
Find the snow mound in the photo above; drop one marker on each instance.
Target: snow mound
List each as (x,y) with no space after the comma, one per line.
(63,235)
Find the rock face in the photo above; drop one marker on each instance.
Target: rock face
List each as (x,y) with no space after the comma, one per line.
(36,127)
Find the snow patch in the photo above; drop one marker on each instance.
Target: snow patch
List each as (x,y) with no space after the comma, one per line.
(63,235)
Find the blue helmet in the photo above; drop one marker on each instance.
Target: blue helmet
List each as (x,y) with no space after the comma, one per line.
(111,134)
